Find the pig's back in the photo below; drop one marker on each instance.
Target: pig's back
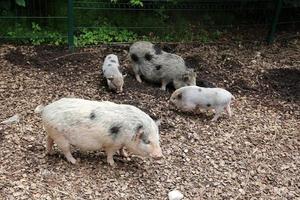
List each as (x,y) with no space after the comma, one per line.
(170,66)
(207,96)
(111,70)
(141,48)
(75,114)
(69,112)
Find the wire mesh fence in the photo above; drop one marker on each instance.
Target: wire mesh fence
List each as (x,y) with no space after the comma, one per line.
(20,23)
(81,22)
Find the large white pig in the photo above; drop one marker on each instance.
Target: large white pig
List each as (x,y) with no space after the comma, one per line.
(93,125)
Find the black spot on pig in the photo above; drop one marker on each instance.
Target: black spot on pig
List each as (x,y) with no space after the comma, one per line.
(179,96)
(109,65)
(113,61)
(199,90)
(109,57)
(158,67)
(134,57)
(115,130)
(148,56)
(208,105)
(92,115)
(157,49)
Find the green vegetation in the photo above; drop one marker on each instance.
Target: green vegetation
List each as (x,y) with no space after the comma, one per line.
(104,35)
(35,35)
(93,27)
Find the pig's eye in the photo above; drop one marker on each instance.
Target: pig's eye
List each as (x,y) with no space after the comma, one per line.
(146,141)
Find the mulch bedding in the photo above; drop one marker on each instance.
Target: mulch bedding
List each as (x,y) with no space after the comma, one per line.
(253,155)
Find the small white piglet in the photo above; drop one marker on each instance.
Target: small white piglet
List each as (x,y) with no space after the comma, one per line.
(110,68)
(93,125)
(190,98)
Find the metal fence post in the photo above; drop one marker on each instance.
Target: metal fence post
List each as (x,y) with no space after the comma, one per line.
(70,25)
(270,36)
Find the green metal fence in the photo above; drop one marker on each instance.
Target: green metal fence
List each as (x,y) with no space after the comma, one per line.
(35,12)
(67,17)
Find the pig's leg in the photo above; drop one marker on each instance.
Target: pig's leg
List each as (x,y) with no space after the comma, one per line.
(136,71)
(61,142)
(110,155)
(164,85)
(64,145)
(228,110)
(123,152)
(49,145)
(138,78)
(219,111)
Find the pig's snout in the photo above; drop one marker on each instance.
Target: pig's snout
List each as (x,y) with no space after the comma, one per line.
(119,90)
(157,155)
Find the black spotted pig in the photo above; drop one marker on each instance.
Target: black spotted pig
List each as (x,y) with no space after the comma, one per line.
(159,66)
(93,125)
(110,68)
(191,98)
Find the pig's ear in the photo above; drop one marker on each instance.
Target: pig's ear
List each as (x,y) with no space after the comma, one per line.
(139,135)
(111,78)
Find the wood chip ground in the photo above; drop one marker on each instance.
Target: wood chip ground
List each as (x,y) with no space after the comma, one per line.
(253,155)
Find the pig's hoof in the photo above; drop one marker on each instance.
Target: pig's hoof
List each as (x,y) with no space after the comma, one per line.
(72,160)
(124,153)
(138,78)
(111,163)
(214,119)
